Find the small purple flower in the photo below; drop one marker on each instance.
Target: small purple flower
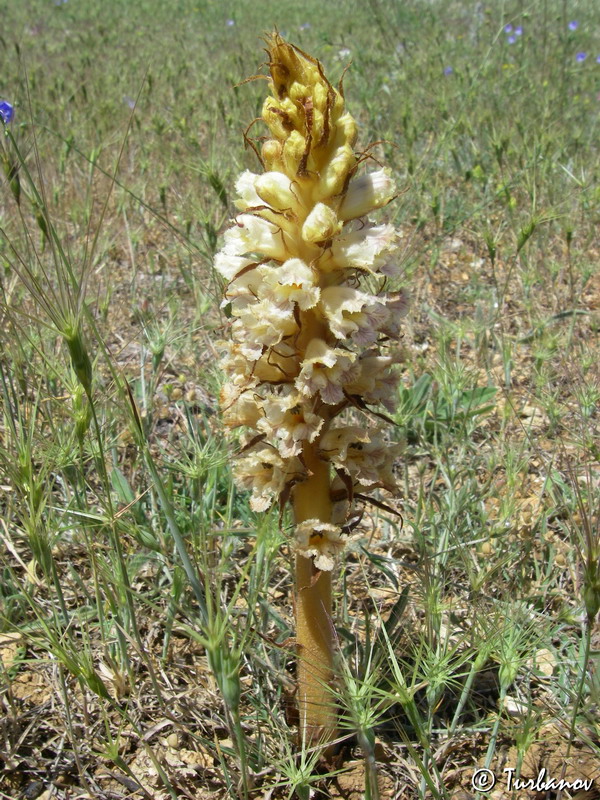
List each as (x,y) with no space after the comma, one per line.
(448,70)
(518,31)
(597,59)
(508,28)
(305,26)
(7,112)
(573,25)
(580,57)
(230,23)
(129,101)
(511,39)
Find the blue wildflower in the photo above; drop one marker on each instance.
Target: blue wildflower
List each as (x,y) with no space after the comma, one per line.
(305,26)
(573,25)
(508,28)
(580,57)
(448,70)
(518,31)
(230,23)
(597,59)
(511,39)
(7,112)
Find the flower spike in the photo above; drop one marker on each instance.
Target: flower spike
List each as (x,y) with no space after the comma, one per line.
(311,353)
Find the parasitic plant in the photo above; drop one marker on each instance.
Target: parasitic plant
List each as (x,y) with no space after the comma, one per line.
(313,342)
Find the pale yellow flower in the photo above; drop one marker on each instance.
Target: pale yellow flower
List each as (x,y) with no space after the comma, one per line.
(366,248)
(365,456)
(262,324)
(325,370)
(247,194)
(252,234)
(375,382)
(229,265)
(240,408)
(321,224)
(267,474)
(292,282)
(289,421)
(321,541)
(352,314)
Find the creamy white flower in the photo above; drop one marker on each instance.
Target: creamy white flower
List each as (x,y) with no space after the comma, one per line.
(367,193)
(230,265)
(267,474)
(325,370)
(306,335)
(243,291)
(240,408)
(397,305)
(352,314)
(245,187)
(293,282)
(364,455)
(372,463)
(335,442)
(264,323)
(278,365)
(252,234)
(376,382)
(237,367)
(320,541)
(365,248)
(289,421)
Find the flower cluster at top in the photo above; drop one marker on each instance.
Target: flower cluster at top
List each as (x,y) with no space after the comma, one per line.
(309,339)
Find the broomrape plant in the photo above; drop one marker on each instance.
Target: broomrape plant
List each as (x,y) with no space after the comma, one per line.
(312,349)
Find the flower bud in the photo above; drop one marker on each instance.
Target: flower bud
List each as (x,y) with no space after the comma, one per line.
(335,174)
(346,131)
(272,153)
(321,224)
(293,152)
(276,190)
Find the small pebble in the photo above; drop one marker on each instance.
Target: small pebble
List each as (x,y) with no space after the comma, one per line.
(33,790)
(173,740)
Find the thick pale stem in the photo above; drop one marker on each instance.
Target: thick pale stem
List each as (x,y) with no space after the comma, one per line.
(314,627)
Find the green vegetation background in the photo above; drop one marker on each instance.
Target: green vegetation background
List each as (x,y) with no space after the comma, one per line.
(137,591)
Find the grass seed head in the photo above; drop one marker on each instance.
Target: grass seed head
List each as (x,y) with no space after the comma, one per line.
(80,359)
